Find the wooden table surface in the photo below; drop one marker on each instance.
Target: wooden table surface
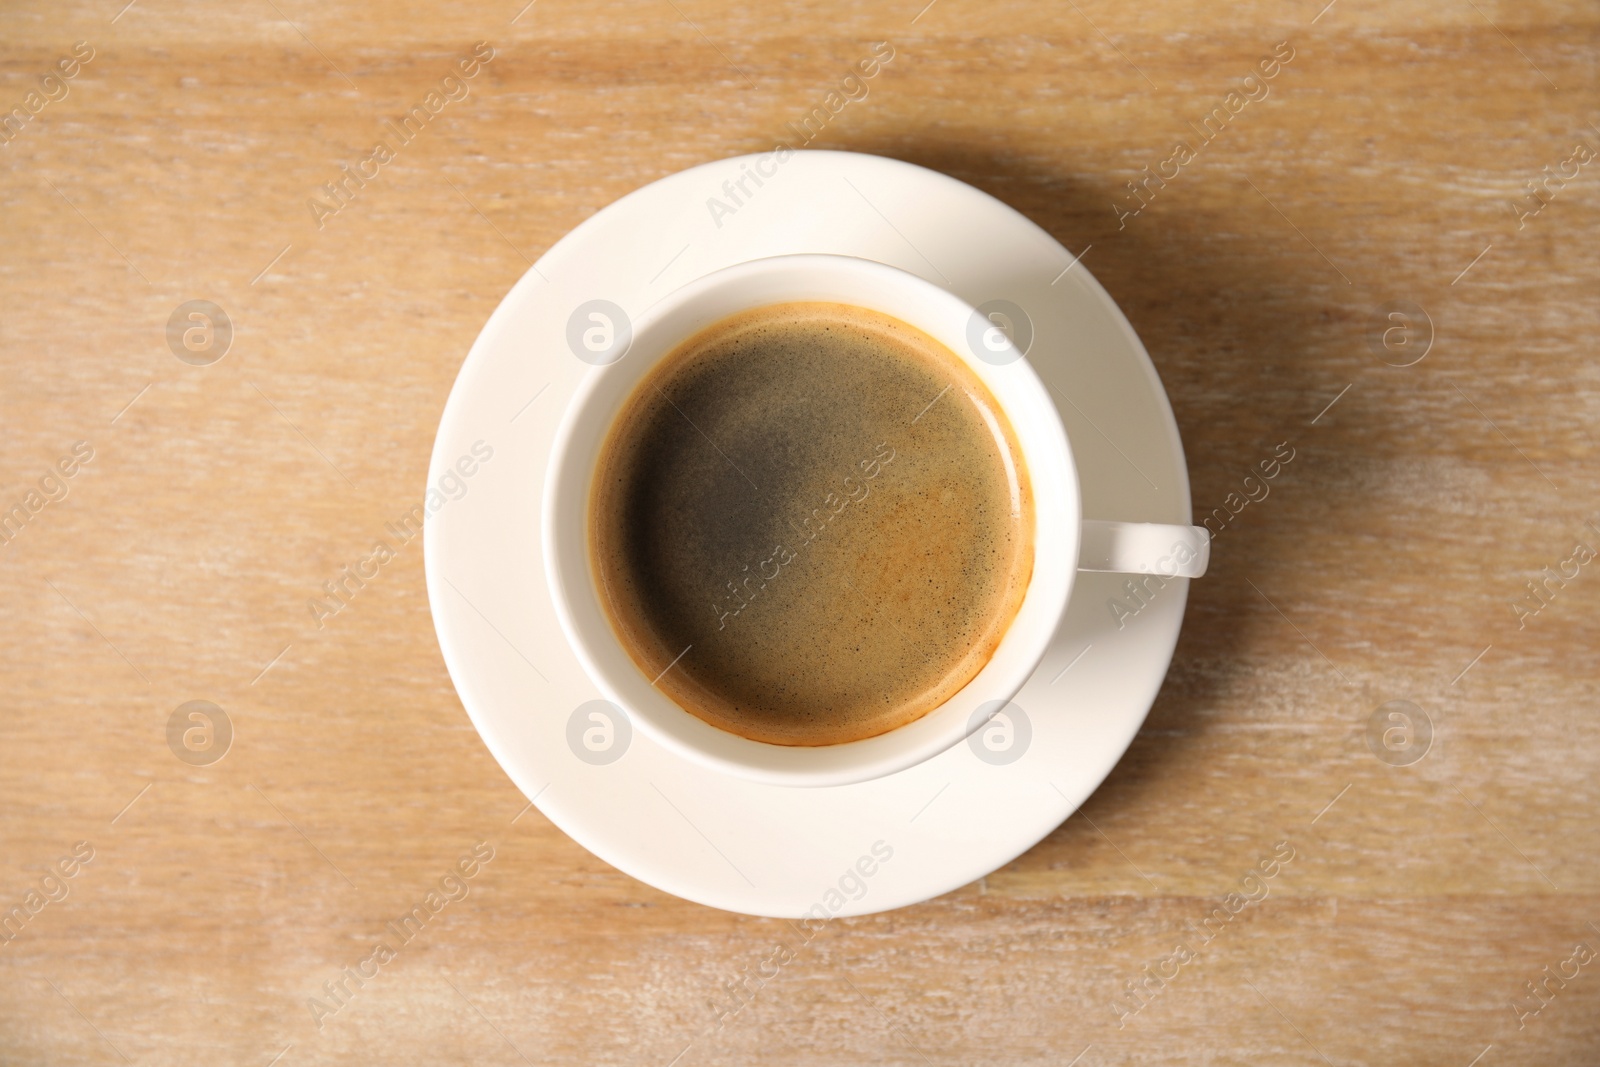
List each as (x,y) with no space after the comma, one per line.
(1442,911)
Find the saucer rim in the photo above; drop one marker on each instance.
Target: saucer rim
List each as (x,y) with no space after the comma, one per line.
(567,814)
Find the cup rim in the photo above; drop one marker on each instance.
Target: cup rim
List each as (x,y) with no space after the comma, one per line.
(565,508)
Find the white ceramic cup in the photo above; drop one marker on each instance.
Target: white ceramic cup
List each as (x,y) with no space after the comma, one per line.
(1064,542)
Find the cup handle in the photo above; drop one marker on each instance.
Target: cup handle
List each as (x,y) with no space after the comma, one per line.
(1145,548)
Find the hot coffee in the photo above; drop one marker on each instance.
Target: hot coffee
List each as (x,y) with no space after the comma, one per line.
(811,524)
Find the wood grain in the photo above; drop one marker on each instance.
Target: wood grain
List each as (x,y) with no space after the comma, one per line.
(1380,167)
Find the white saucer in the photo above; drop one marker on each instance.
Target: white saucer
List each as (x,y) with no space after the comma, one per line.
(724,841)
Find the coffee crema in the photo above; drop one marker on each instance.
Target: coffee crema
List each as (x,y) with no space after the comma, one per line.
(810,524)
